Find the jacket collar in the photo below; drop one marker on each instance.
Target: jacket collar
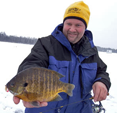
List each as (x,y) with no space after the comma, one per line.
(86,47)
(58,34)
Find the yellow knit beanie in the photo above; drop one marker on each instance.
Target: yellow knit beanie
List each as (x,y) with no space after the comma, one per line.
(78,10)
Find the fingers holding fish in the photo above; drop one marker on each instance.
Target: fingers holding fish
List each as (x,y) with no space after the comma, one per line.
(29,105)
(16,100)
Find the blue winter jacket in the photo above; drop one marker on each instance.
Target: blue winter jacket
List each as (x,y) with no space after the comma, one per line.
(81,68)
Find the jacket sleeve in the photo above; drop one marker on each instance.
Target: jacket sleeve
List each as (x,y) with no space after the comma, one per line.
(37,58)
(101,73)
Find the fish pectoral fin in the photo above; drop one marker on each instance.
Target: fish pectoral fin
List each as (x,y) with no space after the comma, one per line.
(35,104)
(57,98)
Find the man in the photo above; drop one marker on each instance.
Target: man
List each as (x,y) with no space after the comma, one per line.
(70,51)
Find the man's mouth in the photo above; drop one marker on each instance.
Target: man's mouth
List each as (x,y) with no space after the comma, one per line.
(72,34)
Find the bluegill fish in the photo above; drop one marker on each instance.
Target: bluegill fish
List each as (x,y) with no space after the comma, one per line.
(38,84)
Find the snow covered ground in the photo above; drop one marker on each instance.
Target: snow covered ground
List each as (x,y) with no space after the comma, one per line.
(12,54)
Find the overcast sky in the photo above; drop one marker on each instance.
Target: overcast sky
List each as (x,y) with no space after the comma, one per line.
(38,18)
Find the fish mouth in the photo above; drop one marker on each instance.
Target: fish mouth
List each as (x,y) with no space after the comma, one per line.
(7,90)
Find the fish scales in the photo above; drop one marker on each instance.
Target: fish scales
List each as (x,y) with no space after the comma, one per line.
(54,84)
(49,85)
(32,86)
(41,83)
(57,81)
(50,88)
(46,91)
(44,81)
(35,84)
(29,81)
(44,85)
(29,88)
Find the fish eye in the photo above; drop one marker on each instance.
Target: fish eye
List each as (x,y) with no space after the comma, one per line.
(12,84)
(25,84)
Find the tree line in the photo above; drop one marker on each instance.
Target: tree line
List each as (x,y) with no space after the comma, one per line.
(16,39)
(29,40)
(109,50)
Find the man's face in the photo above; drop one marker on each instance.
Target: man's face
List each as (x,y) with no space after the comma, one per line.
(74,30)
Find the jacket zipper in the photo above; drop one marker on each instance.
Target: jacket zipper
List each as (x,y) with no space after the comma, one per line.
(80,75)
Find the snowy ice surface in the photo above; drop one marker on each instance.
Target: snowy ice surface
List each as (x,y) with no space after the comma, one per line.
(12,54)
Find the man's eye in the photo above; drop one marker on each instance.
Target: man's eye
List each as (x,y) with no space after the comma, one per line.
(69,24)
(77,25)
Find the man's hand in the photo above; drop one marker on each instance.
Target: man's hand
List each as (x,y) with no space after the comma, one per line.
(27,104)
(100,91)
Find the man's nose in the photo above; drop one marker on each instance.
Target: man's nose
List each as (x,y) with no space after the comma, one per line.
(72,29)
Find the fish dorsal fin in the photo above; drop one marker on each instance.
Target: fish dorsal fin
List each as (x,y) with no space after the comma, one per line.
(52,71)
(60,75)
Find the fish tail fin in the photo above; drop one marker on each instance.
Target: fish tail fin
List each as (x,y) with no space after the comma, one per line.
(69,89)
